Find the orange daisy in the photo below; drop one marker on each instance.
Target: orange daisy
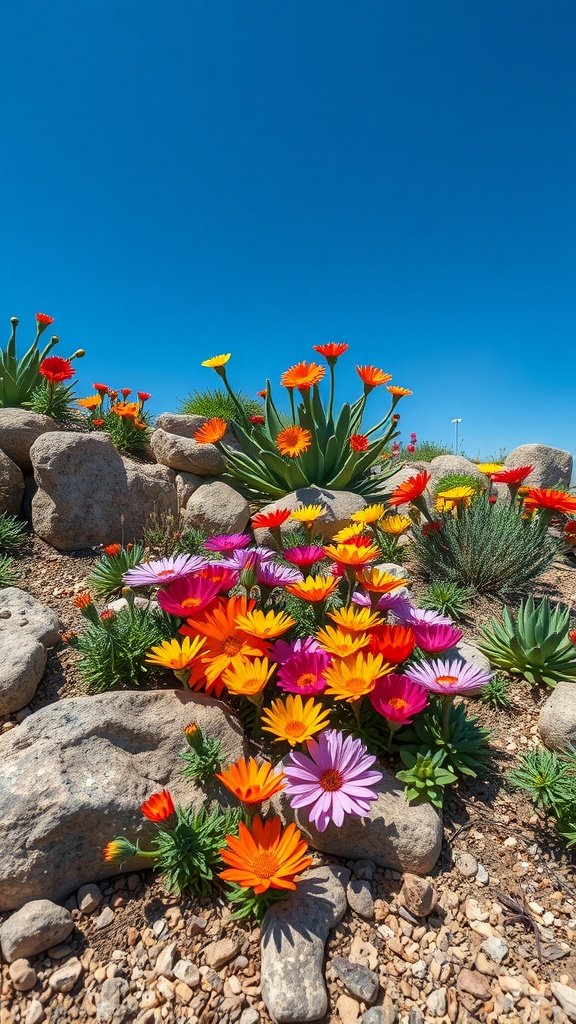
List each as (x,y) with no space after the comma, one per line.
(352,553)
(224,642)
(158,807)
(372,377)
(398,392)
(313,588)
(332,349)
(378,581)
(293,441)
(265,857)
(553,501)
(211,431)
(250,782)
(302,375)
(410,490)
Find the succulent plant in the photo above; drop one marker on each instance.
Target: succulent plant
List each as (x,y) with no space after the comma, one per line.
(534,645)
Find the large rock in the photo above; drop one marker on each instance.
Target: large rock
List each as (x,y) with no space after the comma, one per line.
(398,835)
(27,628)
(557,720)
(552,466)
(75,773)
(292,947)
(23,615)
(11,486)
(444,464)
(19,428)
(339,507)
(86,488)
(186,455)
(37,926)
(216,507)
(186,484)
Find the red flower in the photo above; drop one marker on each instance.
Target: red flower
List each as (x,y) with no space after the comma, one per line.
(359,443)
(107,615)
(101,388)
(112,549)
(410,448)
(271,519)
(98,423)
(572,636)
(410,490)
(332,349)
(263,393)
(158,807)
(394,643)
(434,527)
(43,318)
(126,392)
(551,500)
(113,395)
(492,499)
(257,420)
(144,396)
(56,369)
(514,476)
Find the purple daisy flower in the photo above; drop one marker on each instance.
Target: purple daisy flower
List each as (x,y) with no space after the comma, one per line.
(249,558)
(224,542)
(272,574)
(282,650)
(398,605)
(433,637)
(424,616)
(303,673)
(161,571)
(333,780)
(449,677)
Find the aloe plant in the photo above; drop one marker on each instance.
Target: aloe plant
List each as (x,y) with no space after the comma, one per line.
(534,645)
(20,377)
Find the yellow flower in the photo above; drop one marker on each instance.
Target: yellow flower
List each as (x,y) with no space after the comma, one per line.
(216,361)
(348,533)
(294,721)
(354,619)
(370,514)
(351,555)
(313,588)
(308,513)
(264,625)
(395,526)
(247,677)
(175,655)
(354,678)
(378,581)
(339,644)
(92,402)
(453,498)
(489,467)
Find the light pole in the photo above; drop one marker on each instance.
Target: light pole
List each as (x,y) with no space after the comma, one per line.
(456,421)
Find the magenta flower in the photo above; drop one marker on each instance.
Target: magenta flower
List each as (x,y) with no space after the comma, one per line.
(224,542)
(303,673)
(282,650)
(333,780)
(434,637)
(423,616)
(221,574)
(161,571)
(304,557)
(272,574)
(185,596)
(449,677)
(398,605)
(398,699)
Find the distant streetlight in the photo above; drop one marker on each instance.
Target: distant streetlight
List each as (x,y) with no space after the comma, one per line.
(456,421)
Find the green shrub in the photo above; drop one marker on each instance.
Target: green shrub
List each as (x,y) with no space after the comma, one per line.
(11,532)
(106,576)
(450,480)
(463,742)
(55,402)
(219,403)
(425,451)
(129,436)
(113,650)
(191,542)
(8,575)
(425,776)
(447,598)
(534,645)
(495,694)
(489,547)
(19,377)
(549,779)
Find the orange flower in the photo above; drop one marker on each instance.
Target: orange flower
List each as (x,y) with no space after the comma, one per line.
(394,643)
(553,501)
(83,600)
(410,490)
(251,782)
(570,532)
(224,641)
(158,807)
(352,553)
(313,588)
(265,857)
(293,441)
(92,402)
(332,349)
(45,319)
(126,410)
(372,377)
(359,443)
(112,549)
(211,431)
(302,375)
(398,392)
(378,581)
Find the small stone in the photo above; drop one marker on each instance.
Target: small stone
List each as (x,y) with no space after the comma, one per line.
(196,925)
(105,918)
(59,952)
(467,864)
(485,965)
(436,1002)
(183,992)
(482,876)
(235,985)
(418,895)
(359,896)
(474,983)
(385,1014)
(159,927)
(474,911)
(496,949)
(186,971)
(250,1016)
(218,954)
(89,898)
(35,1012)
(22,975)
(515,984)
(34,928)
(365,869)
(110,999)
(348,1009)
(360,981)
(566,996)
(133,882)
(419,969)
(415,1016)
(166,960)
(64,979)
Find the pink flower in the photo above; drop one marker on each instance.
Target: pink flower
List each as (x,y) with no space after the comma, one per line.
(303,673)
(434,637)
(398,699)
(161,571)
(224,542)
(304,557)
(272,574)
(333,780)
(283,650)
(186,596)
(424,616)
(449,677)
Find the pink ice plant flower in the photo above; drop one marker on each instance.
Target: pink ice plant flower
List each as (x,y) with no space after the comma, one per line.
(303,673)
(272,574)
(186,596)
(425,617)
(398,698)
(399,605)
(449,678)
(282,650)
(224,542)
(303,557)
(161,571)
(332,780)
(435,637)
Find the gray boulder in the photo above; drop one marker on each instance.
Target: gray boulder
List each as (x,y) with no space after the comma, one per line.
(552,466)
(339,507)
(27,628)
(186,484)
(11,486)
(37,926)
(75,773)
(85,488)
(216,507)
(557,720)
(186,455)
(444,464)
(19,428)
(23,615)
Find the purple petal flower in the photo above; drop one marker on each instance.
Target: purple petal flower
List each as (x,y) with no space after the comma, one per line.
(227,542)
(272,574)
(249,558)
(399,605)
(434,637)
(162,571)
(333,780)
(449,677)
(425,616)
(282,650)
(303,673)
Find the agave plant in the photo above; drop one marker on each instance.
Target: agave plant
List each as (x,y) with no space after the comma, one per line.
(313,445)
(534,645)
(20,377)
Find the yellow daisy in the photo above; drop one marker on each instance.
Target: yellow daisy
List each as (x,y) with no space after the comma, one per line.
(175,655)
(216,361)
(489,467)
(339,644)
(354,678)
(247,677)
(349,532)
(308,514)
(370,514)
(264,625)
(294,721)
(453,498)
(395,526)
(355,619)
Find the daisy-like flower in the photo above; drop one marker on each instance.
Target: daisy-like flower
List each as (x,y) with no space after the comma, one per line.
(454,498)
(308,514)
(174,655)
(352,678)
(489,467)
(314,588)
(224,642)
(359,442)
(372,377)
(302,376)
(186,596)
(410,491)
(212,431)
(435,638)
(293,720)
(224,575)
(425,616)
(247,677)
(351,555)
(160,571)
(394,643)
(570,532)
(333,779)
(257,421)
(103,389)
(368,515)
(264,625)
(304,557)
(449,678)
(126,410)
(550,500)
(250,782)
(112,549)
(354,619)
(398,392)
(92,402)
(264,857)
(271,574)
(348,533)
(272,519)
(332,349)
(55,369)
(340,644)
(293,441)
(515,476)
(283,650)
(158,807)
(398,699)
(378,581)
(303,673)
(216,362)
(396,525)
(225,542)
(44,319)
(83,599)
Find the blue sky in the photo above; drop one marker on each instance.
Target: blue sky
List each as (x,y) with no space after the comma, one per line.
(184,178)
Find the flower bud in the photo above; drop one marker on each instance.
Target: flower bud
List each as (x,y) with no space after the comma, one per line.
(193,734)
(78,354)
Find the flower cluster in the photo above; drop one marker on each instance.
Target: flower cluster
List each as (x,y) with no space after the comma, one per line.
(112,411)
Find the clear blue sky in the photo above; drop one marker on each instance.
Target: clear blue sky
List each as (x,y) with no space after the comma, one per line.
(185,178)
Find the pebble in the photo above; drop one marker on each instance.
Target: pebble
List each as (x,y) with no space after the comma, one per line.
(348,1009)
(188,972)
(89,898)
(360,899)
(166,960)
(385,1014)
(22,975)
(436,1002)
(250,1016)
(496,949)
(218,954)
(365,869)
(35,1012)
(418,895)
(566,996)
(474,983)
(466,864)
(64,978)
(360,981)
(482,876)
(105,918)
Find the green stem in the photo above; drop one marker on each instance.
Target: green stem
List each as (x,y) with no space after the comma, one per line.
(446,709)
(357,709)
(332,387)
(224,378)
(292,407)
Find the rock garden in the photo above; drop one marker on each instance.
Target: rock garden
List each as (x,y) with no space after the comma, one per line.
(287,709)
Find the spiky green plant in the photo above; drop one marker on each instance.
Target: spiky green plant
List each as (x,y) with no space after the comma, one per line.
(549,779)
(19,377)
(448,728)
(11,532)
(8,574)
(191,542)
(495,694)
(534,645)
(447,598)
(55,401)
(204,756)
(105,578)
(113,650)
(450,480)
(425,776)
(216,402)
(247,903)
(487,547)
